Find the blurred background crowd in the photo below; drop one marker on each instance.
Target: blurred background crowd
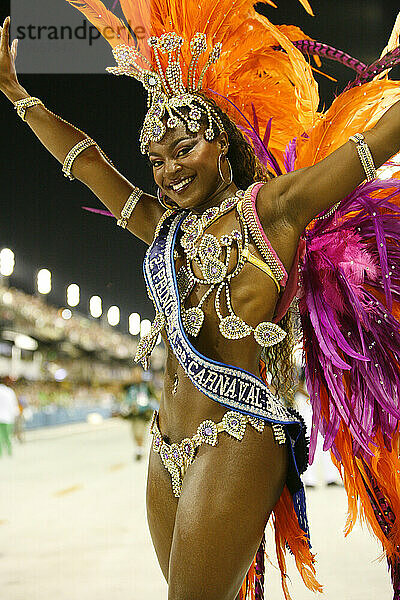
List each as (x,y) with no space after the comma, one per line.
(58,366)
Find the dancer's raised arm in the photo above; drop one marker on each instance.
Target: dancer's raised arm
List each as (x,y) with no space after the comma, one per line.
(91,167)
(307,192)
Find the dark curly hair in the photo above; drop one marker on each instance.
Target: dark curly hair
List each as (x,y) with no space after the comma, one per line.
(246,167)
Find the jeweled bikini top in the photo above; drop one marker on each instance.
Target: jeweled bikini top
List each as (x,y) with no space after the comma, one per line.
(211,255)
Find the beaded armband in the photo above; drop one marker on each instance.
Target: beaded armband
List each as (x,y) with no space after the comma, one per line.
(73,154)
(21,105)
(130,204)
(365,155)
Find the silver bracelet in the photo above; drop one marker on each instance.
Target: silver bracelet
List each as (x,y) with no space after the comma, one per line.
(365,155)
(76,150)
(73,154)
(21,105)
(129,206)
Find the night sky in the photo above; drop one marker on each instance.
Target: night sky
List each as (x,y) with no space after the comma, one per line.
(41,217)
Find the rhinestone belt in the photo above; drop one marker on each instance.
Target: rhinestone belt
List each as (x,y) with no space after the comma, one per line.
(176,458)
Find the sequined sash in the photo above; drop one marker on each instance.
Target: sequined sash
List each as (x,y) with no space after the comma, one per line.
(230,386)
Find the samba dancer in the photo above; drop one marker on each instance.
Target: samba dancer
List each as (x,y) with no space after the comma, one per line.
(221,251)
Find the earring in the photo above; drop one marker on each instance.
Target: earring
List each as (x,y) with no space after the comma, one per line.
(164,203)
(220,170)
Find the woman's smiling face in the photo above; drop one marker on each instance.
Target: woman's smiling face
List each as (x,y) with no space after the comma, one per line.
(185,166)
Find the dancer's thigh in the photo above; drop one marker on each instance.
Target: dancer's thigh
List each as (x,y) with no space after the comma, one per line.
(161,509)
(227,496)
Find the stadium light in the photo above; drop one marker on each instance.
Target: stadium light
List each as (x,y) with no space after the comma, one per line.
(113,316)
(95,307)
(7,262)
(66,314)
(73,295)
(25,342)
(134,323)
(7,298)
(44,281)
(145,326)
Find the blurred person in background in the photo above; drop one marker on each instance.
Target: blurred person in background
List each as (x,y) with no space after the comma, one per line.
(19,425)
(9,410)
(138,406)
(322,463)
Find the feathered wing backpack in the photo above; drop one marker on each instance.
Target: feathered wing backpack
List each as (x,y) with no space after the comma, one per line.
(349,292)
(350,313)
(349,302)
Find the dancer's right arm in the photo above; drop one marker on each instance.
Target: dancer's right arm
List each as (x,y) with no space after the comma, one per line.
(90,167)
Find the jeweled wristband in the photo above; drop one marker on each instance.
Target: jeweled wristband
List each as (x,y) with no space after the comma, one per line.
(365,155)
(21,105)
(129,206)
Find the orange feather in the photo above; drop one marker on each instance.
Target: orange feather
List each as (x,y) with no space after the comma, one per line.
(103,19)
(358,109)
(280,83)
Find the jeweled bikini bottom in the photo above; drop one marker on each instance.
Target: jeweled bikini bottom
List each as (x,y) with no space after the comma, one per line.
(176,458)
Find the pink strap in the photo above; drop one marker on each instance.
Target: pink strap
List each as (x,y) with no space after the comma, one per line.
(254,193)
(292,285)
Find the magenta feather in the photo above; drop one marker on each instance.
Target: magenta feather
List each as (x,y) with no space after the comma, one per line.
(346,329)
(99,211)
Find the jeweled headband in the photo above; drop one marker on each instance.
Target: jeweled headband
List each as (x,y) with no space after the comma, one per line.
(167,94)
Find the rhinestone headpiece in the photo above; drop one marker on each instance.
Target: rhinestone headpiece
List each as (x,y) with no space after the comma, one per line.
(167,94)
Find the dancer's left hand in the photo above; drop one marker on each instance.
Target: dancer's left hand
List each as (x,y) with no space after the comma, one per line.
(8,55)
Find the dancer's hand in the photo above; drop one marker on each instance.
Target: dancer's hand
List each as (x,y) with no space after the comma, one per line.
(8,55)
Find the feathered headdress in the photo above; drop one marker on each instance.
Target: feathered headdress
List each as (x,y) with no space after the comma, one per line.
(179,41)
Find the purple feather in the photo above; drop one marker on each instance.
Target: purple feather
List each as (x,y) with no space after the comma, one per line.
(106,213)
(311,47)
(262,152)
(390,60)
(290,156)
(345,325)
(267,133)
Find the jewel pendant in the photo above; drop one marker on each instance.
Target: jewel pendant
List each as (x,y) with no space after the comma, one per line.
(209,247)
(147,343)
(256,423)
(234,424)
(185,283)
(207,432)
(268,334)
(176,454)
(214,270)
(233,327)
(193,319)
(188,450)
(192,235)
(157,442)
